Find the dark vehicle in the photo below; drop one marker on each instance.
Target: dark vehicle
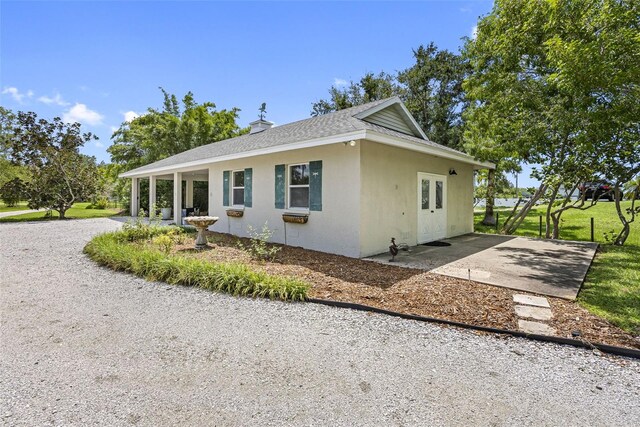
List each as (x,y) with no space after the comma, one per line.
(597,190)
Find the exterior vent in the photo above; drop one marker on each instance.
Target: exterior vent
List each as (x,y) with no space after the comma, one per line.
(260,125)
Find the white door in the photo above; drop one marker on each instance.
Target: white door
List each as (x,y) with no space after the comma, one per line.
(432,207)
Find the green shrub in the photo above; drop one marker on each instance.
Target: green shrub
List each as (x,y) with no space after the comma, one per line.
(258,248)
(117,251)
(164,242)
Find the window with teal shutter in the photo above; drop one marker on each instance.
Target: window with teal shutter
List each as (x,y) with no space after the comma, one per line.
(315,185)
(225,188)
(280,186)
(248,187)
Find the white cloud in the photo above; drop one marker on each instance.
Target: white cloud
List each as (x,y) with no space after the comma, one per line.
(113,129)
(80,113)
(129,116)
(474,32)
(16,95)
(465,9)
(57,100)
(98,144)
(339,82)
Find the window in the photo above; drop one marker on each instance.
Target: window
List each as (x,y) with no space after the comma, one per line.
(439,187)
(425,193)
(299,186)
(238,188)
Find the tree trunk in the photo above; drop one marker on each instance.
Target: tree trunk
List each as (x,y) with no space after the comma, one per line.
(549,232)
(489,217)
(512,226)
(624,233)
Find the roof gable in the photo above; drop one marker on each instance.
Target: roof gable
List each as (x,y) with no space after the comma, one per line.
(392,114)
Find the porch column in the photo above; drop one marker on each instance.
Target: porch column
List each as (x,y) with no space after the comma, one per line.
(177,197)
(210,191)
(189,196)
(134,196)
(152,193)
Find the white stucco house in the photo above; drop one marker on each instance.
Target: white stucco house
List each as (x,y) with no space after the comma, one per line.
(344,183)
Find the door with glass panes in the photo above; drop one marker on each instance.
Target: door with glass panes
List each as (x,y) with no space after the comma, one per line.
(432,207)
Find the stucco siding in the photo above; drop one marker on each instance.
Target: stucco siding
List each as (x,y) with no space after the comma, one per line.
(389,186)
(335,229)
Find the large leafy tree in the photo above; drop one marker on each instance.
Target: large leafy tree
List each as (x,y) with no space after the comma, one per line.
(369,88)
(171,130)
(532,99)
(59,175)
(160,133)
(432,91)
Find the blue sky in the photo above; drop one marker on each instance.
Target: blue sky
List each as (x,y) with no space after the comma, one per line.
(101,62)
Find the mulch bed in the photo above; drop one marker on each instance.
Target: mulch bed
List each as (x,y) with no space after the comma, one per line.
(410,291)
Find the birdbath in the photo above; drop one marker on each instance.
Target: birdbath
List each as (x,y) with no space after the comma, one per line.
(201,223)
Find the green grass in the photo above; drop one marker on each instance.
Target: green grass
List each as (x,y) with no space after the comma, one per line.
(612,286)
(574,225)
(22,206)
(141,258)
(77,211)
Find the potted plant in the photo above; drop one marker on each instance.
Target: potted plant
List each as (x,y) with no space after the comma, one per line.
(163,205)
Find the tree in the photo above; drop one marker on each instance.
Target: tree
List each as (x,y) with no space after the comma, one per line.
(165,132)
(59,174)
(13,191)
(555,83)
(173,129)
(369,88)
(432,91)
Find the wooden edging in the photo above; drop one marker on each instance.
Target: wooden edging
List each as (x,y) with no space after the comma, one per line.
(605,348)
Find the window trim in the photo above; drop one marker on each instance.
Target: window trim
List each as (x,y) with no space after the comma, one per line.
(233,187)
(290,186)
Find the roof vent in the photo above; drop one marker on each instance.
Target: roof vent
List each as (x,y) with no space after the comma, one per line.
(261,124)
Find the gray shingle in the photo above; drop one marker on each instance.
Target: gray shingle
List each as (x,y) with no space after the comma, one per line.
(327,125)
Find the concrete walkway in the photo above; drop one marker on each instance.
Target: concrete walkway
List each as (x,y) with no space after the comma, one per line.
(14,213)
(555,268)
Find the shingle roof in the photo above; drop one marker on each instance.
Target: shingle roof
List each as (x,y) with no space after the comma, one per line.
(331,124)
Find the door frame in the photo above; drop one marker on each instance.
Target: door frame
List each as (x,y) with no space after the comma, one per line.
(435,177)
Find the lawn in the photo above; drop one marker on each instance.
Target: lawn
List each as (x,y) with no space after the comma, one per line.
(79,210)
(612,287)
(22,206)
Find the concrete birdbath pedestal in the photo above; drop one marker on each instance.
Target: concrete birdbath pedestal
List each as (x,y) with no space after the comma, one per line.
(201,223)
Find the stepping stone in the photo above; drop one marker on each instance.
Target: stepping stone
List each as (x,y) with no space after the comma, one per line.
(529,300)
(537,328)
(538,313)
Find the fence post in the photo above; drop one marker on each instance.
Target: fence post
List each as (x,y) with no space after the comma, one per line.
(540,227)
(497,219)
(592,229)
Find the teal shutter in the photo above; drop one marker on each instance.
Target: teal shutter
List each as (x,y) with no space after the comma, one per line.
(248,187)
(315,185)
(280,184)
(225,188)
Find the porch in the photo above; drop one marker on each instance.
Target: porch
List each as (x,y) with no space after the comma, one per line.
(181,191)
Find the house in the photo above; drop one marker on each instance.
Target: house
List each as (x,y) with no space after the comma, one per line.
(344,183)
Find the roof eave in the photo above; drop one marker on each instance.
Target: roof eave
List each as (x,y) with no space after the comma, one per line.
(197,164)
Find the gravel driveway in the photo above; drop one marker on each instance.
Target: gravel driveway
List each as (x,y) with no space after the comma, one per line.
(82,345)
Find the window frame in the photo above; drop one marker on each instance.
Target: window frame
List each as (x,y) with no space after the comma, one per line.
(290,186)
(234,187)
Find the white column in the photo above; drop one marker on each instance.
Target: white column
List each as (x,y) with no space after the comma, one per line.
(210,187)
(134,196)
(177,197)
(152,193)
(189,196)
